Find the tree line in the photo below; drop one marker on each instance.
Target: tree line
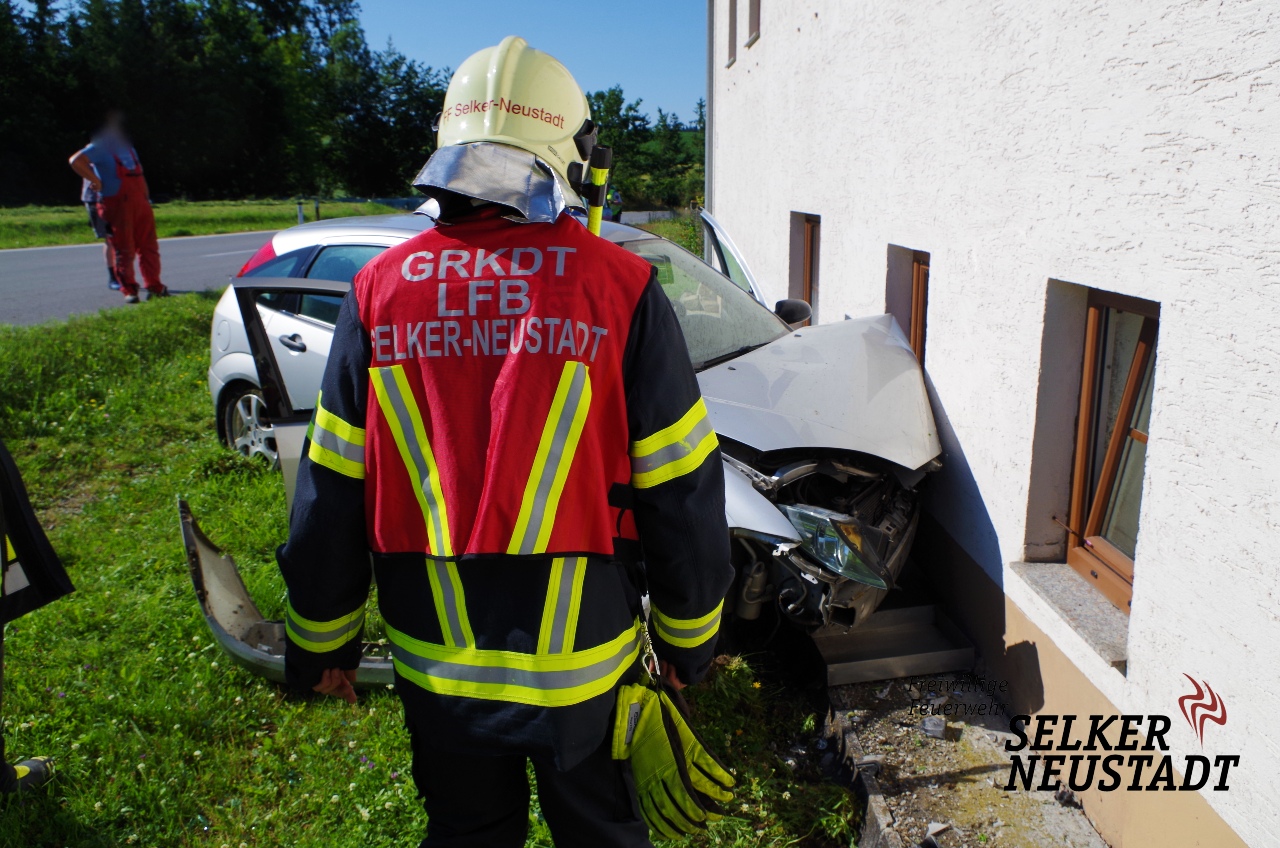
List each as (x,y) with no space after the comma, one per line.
(259,98)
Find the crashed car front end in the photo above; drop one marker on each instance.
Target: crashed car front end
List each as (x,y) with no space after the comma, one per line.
(826,434)
(822,482)
(851,530)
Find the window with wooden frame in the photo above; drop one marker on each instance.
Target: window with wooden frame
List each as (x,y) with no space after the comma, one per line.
(753,22)
(1111,441)
(906,293)
(806,242)
(733,33)
(919,302)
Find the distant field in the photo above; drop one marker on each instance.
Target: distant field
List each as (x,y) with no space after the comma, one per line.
(40,226)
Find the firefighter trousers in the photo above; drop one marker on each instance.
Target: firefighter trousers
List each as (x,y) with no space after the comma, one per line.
(133,235)
(475,801)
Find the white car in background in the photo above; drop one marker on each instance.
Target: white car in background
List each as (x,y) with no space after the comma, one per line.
(300,325)
(826,431)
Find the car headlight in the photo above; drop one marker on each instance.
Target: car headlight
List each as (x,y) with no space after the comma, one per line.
(837,541)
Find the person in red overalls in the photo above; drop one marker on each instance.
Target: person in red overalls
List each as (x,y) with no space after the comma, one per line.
(111,166)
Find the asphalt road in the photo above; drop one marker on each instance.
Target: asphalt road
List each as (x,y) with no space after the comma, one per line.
(42,283)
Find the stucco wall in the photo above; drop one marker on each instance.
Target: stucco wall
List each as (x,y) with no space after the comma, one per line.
(1133,147)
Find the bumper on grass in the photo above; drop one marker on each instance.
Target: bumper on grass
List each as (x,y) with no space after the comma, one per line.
(239,628)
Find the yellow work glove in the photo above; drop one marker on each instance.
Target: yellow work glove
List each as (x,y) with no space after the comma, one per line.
(705,772)
(647,731)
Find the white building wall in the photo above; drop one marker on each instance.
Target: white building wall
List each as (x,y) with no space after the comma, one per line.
(1128,146)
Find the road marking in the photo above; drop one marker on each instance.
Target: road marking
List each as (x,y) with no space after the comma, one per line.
(228,253)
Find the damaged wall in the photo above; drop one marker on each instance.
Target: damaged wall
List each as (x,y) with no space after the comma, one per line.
(1128,147)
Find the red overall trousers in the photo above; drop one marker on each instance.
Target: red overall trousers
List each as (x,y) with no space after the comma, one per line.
(133,229)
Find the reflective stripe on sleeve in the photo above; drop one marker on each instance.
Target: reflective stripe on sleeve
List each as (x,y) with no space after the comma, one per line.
(551,463)
(564,601)
(673,451)
(336,444)
(687,632)
(322,636)
(546,680)
(398,406)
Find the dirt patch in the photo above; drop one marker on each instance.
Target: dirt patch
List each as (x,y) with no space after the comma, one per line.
(957,780)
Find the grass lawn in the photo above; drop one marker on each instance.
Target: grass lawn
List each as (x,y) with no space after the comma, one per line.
(160,740)
(39,226)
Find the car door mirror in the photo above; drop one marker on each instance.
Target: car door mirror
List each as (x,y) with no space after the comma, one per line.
(793,310)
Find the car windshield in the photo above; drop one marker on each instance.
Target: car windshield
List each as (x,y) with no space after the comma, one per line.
(719,320)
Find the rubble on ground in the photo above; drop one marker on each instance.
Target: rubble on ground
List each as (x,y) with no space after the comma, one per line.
(938,742)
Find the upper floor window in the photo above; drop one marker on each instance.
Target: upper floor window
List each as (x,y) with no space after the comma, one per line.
(753,22)
(733,33)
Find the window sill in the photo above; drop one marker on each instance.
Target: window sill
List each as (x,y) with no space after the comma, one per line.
(729,64)
(752,40)
(1095,619)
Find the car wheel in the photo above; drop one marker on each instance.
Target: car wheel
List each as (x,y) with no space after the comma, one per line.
(247,427)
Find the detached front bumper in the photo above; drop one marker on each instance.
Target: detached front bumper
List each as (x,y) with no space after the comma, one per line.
(240,629)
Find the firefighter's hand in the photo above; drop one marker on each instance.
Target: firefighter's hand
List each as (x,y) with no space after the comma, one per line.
(338,683)
(95,184)
(668,673)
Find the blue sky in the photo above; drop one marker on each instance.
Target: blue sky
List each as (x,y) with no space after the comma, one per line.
(656,50)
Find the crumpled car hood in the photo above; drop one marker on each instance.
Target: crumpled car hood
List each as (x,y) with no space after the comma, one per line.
(853,385)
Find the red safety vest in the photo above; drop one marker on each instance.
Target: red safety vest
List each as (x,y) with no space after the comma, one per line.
(497,419)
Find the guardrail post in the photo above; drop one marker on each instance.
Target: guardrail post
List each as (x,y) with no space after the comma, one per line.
(300,218)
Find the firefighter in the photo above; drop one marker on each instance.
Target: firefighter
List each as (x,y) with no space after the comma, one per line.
(31,575)
(511,400)
(110,165)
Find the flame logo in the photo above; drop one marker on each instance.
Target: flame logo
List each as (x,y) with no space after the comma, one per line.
(1202,705)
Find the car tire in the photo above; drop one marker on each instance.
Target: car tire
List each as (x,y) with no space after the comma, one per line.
(246,427)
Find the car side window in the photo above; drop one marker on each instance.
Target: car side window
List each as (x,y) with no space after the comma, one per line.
(341,262)
(285,265)
(279,301)
(321,307)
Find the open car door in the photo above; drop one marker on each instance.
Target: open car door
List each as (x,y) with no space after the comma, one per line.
(288,421)
(228,608)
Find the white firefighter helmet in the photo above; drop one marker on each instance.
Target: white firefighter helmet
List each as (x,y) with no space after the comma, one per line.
(515,95)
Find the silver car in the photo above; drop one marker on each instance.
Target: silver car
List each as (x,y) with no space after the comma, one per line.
(826,431)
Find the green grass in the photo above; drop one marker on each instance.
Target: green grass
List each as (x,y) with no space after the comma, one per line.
(40,226)
(160,739)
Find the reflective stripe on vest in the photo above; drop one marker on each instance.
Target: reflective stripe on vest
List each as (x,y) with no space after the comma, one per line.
(687,632)
(551,463)
(401,411)
(564,600)
(451,605)
(335,444)
(673,451)
(323,636)
(545,680)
